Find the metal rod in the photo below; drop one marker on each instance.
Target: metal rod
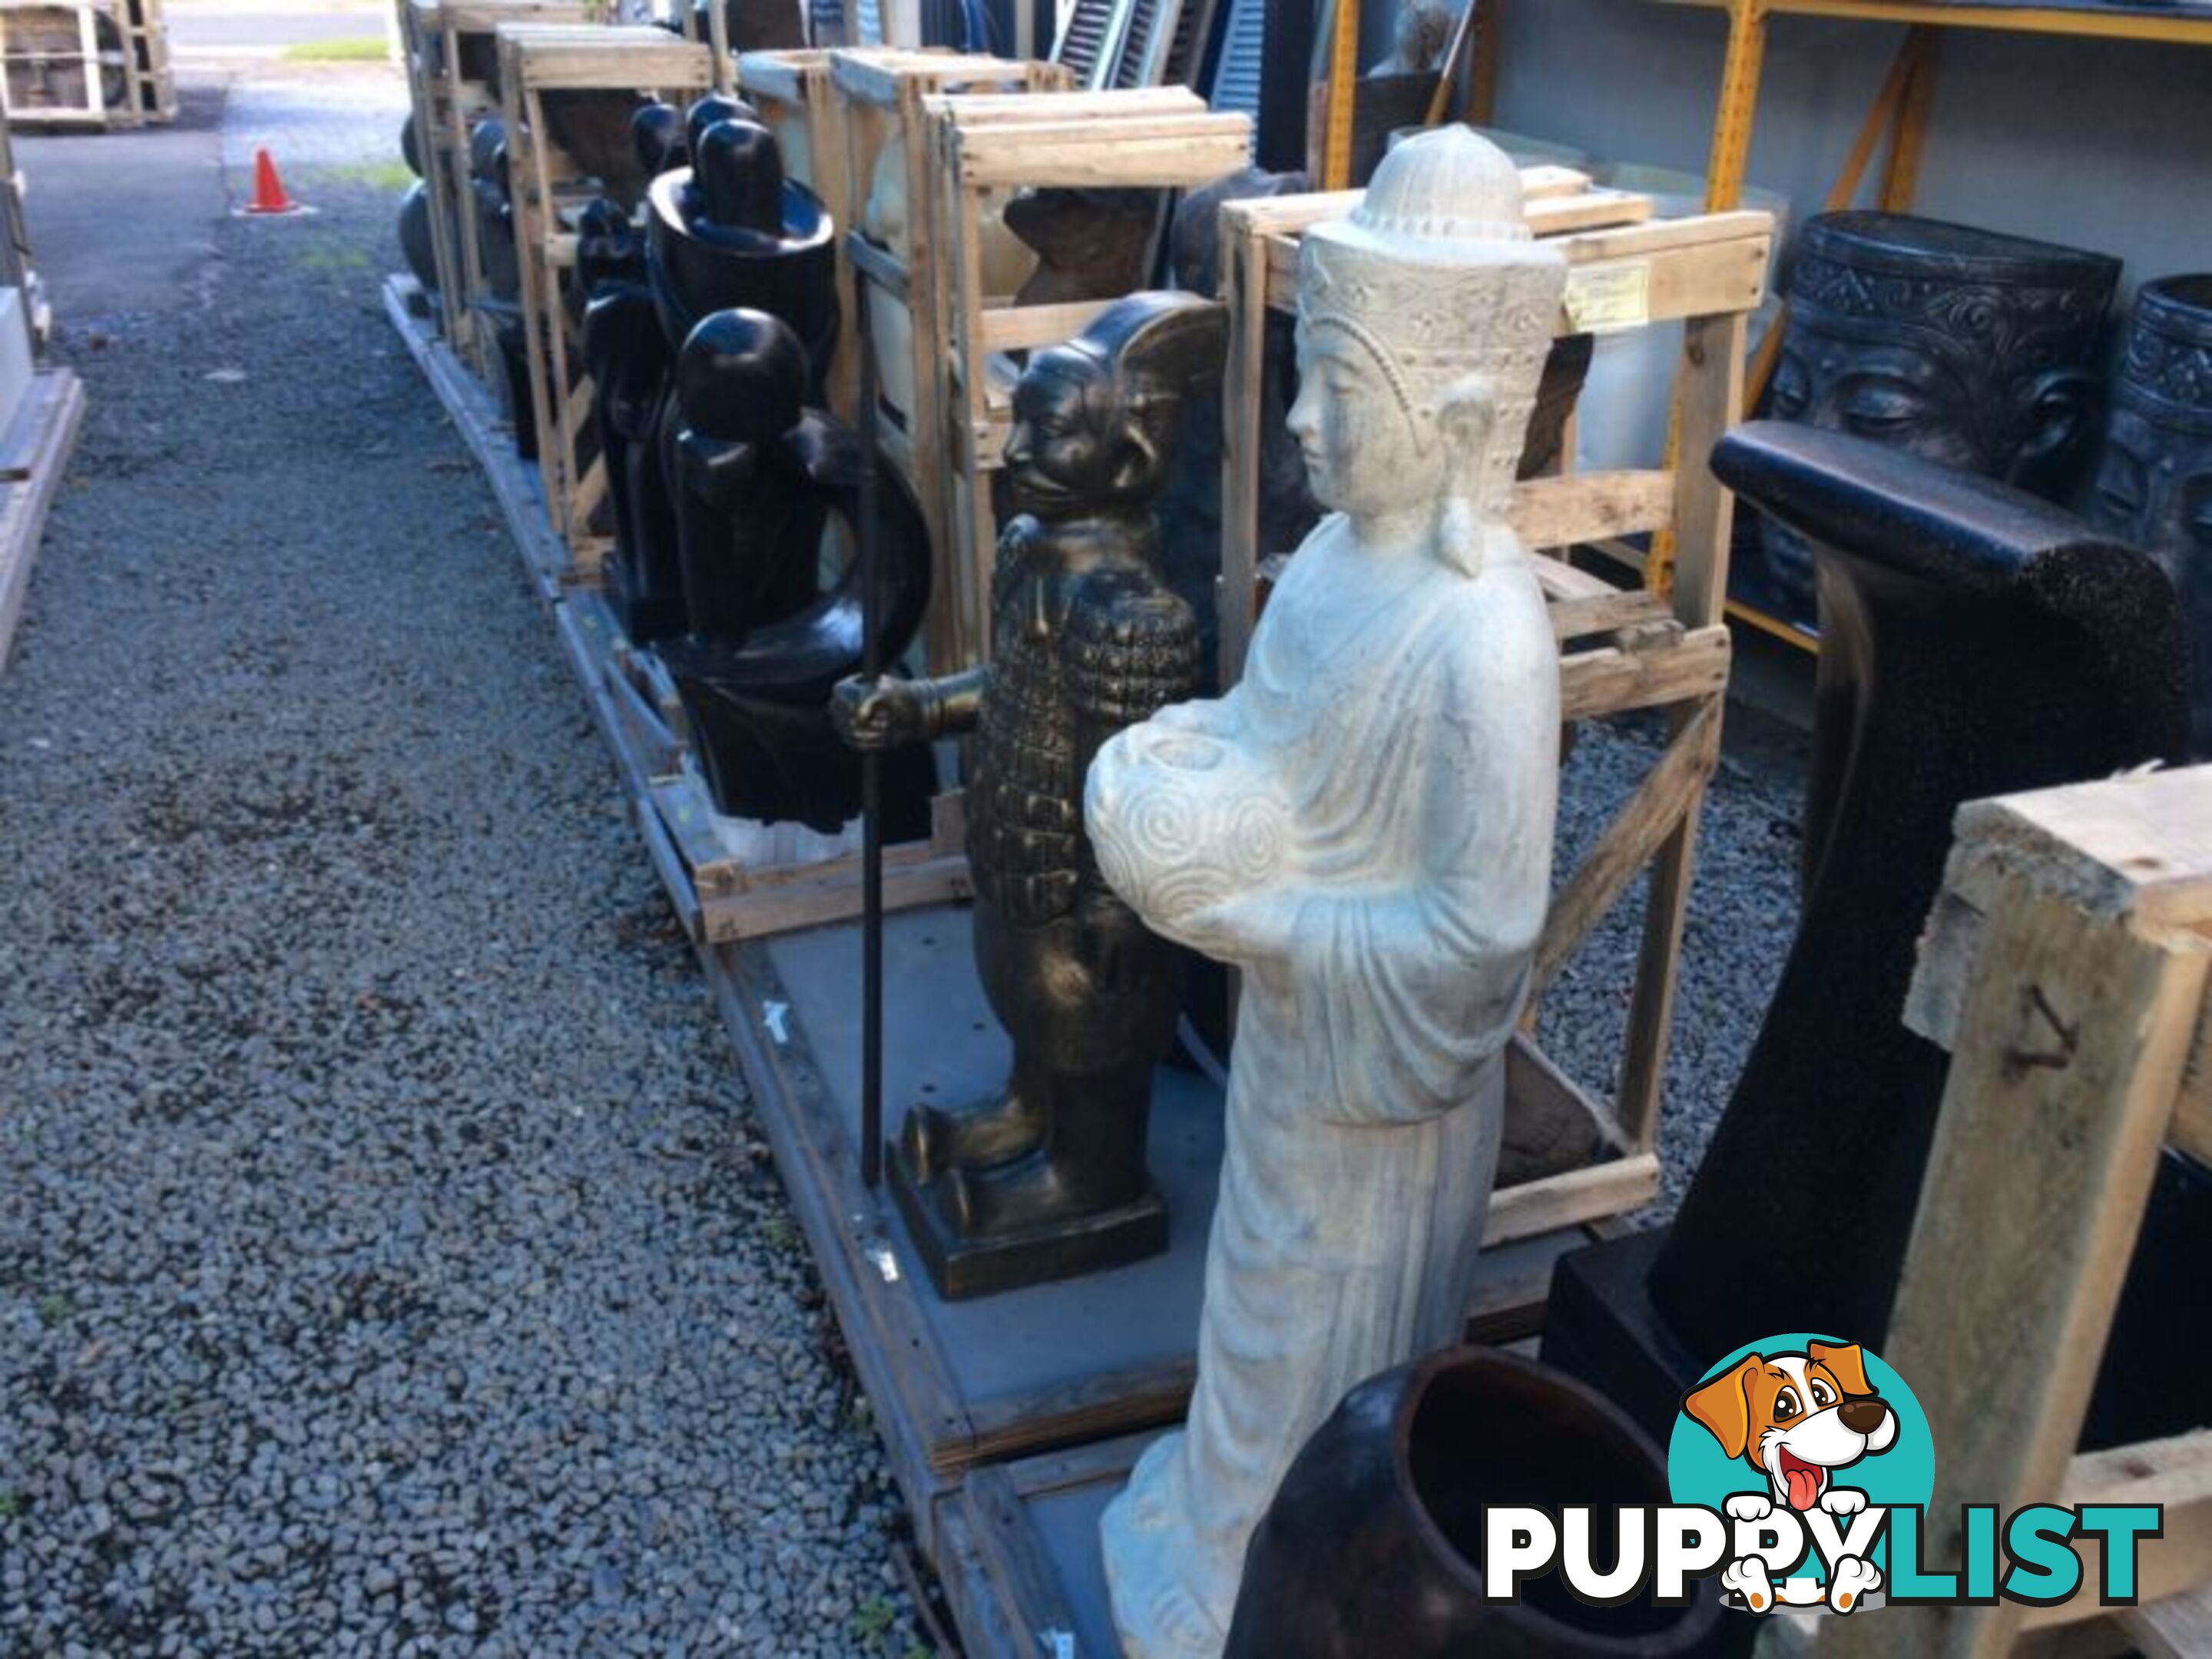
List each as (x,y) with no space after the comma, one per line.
(872,780)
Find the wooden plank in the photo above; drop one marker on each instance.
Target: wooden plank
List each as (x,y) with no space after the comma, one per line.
(1590,507)
(1183,153)
(1611,680)
(1667,794)
(1022,328)
(58,397)
(2177,1475)
(1565,1201)
(2179,1627)
(974,111)
(2074,1031)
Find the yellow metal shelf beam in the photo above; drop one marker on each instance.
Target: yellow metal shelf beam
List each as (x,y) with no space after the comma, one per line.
(2172,24)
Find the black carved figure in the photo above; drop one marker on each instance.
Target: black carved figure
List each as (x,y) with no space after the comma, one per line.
(629,356)
(501,304)
(1969,348)
(1373,1544)
(757,478)
(2154,477)
(732,231)
(1047,1179)
(416,245)
(1974,642)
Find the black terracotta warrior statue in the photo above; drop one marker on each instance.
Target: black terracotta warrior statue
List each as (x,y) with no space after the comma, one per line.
(1972,349)
(2154,478)
(1047,1179)
(500,303)
(757,479)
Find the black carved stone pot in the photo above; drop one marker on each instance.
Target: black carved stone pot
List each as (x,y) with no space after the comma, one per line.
(1370,1548)
(2154,479)
(699,266)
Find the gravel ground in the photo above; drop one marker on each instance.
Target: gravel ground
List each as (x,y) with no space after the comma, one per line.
(389,1260)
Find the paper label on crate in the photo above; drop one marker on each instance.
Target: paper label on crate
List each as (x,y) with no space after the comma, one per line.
(1603,298)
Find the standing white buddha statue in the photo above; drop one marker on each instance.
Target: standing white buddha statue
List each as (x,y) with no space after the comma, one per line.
(1363,825)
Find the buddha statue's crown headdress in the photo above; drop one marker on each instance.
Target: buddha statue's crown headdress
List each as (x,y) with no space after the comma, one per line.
(2166,373)
(1441,224)
(1997,304)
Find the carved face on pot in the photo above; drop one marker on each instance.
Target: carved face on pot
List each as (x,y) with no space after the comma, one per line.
(1971,349)
(2153,480)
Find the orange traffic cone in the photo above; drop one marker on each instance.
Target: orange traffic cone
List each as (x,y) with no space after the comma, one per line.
(269,195)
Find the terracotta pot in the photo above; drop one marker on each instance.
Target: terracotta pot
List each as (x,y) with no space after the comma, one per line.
(1371,1546)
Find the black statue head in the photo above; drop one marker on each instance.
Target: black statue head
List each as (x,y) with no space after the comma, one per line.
(737,168)
(1095,417)
(410,147)
(656,132)
(487,153)
(1969,348)
(705,112)
(2154,481)
(741,378)
(732,232)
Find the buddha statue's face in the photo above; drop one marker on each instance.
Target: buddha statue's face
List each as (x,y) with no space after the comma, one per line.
(1363,453)
(2154,489)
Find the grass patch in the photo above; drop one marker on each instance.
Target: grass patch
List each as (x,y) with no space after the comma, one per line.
(368,49)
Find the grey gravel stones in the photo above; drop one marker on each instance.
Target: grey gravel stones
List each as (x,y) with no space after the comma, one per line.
(388,1256)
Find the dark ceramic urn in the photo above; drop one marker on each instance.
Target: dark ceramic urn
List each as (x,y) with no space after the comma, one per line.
(1372,1545)
(2154,478)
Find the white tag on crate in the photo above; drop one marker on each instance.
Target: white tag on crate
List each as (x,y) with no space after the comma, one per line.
(1603,298)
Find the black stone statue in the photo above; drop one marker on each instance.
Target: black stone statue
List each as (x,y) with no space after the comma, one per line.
(2154,478)
(499,306)
(1975,641)
(416,243)
(1972,349)
(757,478)
(1047,1179)
(629,357)
(730,230)
(1373,1542)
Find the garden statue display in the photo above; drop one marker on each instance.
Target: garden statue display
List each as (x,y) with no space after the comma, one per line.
(1048,1178)
(1975,641)
(1364,825)
(2154,478)
(758,477)
(1975,351)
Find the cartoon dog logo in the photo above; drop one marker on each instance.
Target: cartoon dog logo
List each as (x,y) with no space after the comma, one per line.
(1797,1419)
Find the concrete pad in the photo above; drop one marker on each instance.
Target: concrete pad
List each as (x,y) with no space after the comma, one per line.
(124,220)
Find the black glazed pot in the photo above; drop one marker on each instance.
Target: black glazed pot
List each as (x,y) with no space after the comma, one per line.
(1371,1546)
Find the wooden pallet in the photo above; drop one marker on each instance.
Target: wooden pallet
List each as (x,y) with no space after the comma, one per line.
(1620,651)
(439,37)
(35,451)
(2066,969)
(880,92)
(958,1385)
(1163,138)
(547,186)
